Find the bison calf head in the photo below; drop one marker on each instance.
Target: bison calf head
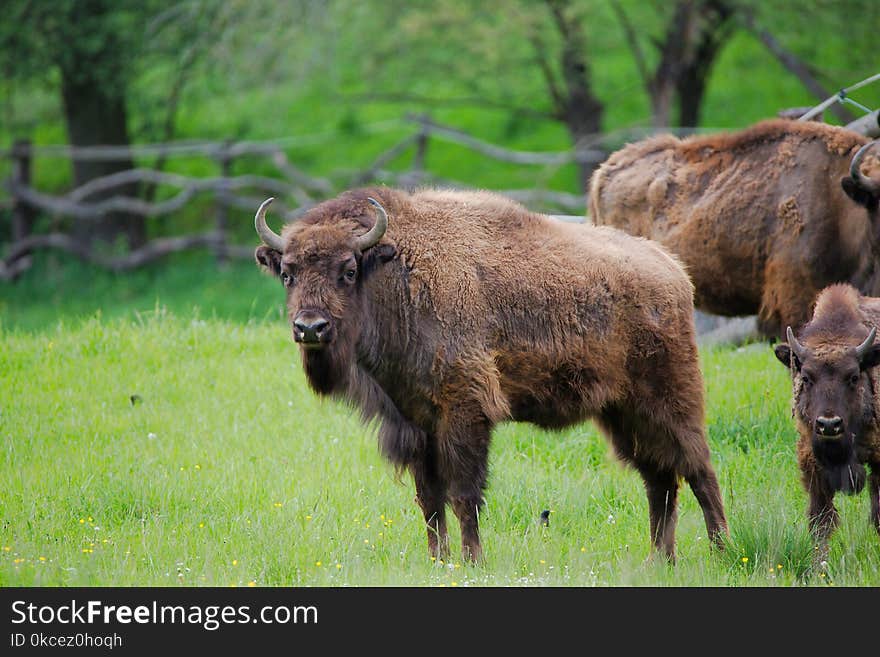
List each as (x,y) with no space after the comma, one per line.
(833,399)
(323,263)
(864,188)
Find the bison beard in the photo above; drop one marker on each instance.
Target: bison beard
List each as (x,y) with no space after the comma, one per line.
(469,311)
(838,466)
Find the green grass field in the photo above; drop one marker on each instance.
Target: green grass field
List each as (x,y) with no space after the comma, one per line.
(227,470)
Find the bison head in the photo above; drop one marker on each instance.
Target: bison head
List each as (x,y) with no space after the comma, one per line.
(864,188)
(833,398)
(323,261)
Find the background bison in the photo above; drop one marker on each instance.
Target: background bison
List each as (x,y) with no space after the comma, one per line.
(455,311)
(835,402)
(763,219)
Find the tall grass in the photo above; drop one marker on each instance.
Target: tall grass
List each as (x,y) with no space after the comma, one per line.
(164,449)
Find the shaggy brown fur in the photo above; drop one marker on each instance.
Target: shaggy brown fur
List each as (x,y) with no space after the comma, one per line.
(763,218)
(830,380)
(472,311)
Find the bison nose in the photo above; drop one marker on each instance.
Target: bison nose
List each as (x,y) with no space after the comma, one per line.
(829,426)
(310,328)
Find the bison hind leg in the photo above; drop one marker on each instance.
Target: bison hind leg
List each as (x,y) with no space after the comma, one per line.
(662,453)
(704,485)
(630,435)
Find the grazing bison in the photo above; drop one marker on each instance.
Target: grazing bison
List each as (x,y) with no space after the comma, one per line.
(454,311)
(836,402)
(763,219)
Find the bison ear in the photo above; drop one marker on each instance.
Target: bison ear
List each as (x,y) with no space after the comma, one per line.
(375,256)
(871,359)
(784,354)
(384,252)
(858,194)
(269,258)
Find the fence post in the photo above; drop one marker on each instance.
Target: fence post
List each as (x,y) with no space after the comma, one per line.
(22,214)
(421,150)
(416,175)
(224,159)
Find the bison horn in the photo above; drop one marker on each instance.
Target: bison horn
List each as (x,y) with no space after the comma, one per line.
(270,238)
(856,173)
(799,350)
(372,236)
(863,348)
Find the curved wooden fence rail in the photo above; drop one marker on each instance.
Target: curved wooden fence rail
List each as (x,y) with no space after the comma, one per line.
(296,191)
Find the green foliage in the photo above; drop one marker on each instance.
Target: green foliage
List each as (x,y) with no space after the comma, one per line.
(94,38)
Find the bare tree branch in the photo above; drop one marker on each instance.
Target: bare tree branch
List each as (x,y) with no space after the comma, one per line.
(70,206)
(630,33)
(149,252)
(794,65)
(507,155)
(546,70)
(388,156)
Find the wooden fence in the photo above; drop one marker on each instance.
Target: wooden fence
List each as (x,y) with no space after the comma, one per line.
(296,191)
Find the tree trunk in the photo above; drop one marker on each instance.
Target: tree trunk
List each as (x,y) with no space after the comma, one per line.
(95,114)
(715,29)
(690,90)
(691,41)
(662,96)
(675,54)
(577,107)
(584,122)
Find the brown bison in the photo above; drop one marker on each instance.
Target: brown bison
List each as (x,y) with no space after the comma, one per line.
(836,401)
(763,219)
(443,313)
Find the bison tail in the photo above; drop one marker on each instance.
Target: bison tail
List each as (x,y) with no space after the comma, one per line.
(593,191)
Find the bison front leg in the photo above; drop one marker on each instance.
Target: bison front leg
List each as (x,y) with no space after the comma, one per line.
(431,497)
(465,452)
(874,483)
(823,517)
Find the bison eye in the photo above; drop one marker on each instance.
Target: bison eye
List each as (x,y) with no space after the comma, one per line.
(807,381)
(350,274)
(853,379)
(286,278)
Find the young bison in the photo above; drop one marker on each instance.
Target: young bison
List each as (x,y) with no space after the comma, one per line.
(444,313)
(836,402)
